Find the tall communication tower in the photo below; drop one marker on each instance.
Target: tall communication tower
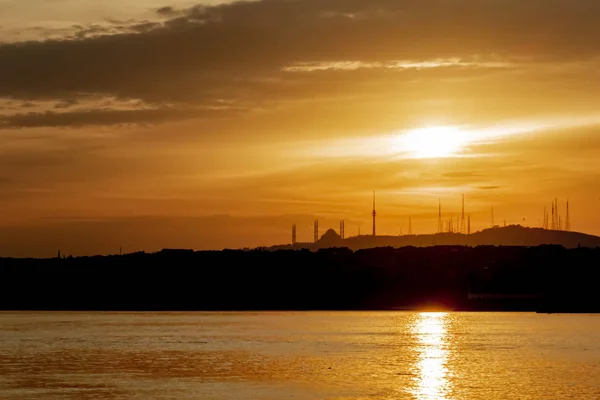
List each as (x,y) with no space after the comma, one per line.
(556,219)
(410,225)
(560,223)
(568,219)
(374,214)
(316,229)
(294,235)
(462,217)
(342,229)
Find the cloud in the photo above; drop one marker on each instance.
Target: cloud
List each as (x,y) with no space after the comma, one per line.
(66,103)
(488,187)
(461,174)
(263,51)
(106,117)
(166,11)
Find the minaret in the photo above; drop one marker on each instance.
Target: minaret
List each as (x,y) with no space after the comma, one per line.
(294,235)
(374,214)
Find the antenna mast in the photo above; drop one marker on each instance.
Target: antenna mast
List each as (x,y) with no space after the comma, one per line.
(462,217)
(374,214)
(554,215)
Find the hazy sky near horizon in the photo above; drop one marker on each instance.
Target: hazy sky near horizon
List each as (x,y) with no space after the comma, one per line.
(278,110)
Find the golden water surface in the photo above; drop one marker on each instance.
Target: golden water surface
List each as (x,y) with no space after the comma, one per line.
(302,355)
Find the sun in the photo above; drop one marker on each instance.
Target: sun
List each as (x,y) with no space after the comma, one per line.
(433,142)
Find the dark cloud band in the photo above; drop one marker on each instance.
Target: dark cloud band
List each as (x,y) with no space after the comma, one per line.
(244,51)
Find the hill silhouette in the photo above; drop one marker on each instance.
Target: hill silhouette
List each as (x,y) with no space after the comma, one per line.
(512,235)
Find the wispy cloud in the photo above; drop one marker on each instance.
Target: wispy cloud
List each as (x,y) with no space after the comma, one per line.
(405,64)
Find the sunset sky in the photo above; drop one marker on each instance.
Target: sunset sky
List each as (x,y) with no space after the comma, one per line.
(148,124)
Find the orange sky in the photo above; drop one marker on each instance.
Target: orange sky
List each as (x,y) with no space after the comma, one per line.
(202,125)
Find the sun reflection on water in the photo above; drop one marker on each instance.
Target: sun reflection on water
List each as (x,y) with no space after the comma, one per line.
(432,376)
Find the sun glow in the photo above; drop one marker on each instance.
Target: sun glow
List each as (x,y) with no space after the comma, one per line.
(433,142)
